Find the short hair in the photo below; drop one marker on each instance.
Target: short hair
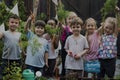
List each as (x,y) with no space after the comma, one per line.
(40,23)
(14,16)
(77,20)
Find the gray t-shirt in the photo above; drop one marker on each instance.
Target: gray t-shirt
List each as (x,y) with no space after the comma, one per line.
(37,57)
(11,48)
(75,46)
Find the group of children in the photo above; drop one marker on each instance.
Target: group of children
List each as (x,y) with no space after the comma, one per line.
(97,44)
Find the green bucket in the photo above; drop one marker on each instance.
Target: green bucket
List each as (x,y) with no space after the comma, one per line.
(28,75)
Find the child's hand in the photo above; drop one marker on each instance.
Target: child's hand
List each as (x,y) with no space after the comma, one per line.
(46,64)
(55,68)
(117,9)
(77,56)
(70,53)
(31,17)
(47,36)
(46,67)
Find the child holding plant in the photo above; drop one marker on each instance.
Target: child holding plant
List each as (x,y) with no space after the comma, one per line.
(11,39)
(53,40)
(37,50)
(107,51)
(76,46)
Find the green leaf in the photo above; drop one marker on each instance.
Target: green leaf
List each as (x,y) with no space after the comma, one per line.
(35,44)
(109,7)
(61,12)
(52,31)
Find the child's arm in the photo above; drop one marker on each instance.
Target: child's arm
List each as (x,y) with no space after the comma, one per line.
(66,47)
(46,59)
(55,41)
(28,23)
(1,35)
(55,64)
(100,29)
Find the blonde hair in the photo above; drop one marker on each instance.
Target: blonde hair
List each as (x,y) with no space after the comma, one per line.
(112,21)
(87,21)
(90,19)
(72,14)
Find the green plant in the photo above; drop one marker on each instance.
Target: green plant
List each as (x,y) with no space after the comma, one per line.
(42,16)
(109,7)
(118,18)
(35,45)
(117,77)
(4,14)
(24,40)
(52,31)
(41,78)
(13,72)
(21,8)
(61,12)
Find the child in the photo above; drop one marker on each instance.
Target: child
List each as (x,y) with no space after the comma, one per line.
(11,39)
(93,37)
(76,46)
(66,31)
(108,50)
(53,41)
(37,50)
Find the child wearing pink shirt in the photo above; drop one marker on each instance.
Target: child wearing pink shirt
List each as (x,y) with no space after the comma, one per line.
(93,37)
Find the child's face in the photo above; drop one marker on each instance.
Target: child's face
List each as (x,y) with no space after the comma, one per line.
(70,18)
(51,23)
(108,28)
(13,24)
(39,30)
(76,28)
(90,26)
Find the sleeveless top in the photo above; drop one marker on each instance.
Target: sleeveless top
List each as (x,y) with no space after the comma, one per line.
(108,48)
(11,48)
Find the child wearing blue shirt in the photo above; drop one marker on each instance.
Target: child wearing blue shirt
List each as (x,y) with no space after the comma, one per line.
(37,50)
